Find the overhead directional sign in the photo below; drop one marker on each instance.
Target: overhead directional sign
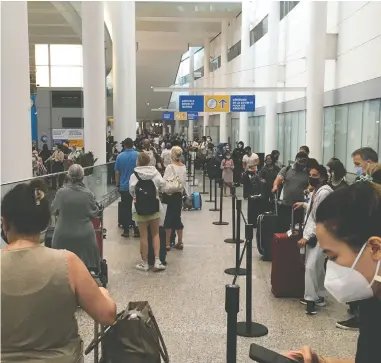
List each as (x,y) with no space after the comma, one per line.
(181,116)
(168,116)
(192,116)
(216,104)
(191,103)
(242,103)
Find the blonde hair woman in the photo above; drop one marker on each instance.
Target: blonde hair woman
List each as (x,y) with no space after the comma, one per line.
(173,215)
(144,171)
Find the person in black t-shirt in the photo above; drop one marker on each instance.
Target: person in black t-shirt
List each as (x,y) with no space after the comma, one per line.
(349,232)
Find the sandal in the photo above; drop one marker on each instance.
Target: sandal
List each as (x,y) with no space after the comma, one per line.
(179,246)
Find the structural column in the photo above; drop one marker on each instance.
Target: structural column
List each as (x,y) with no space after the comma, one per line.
(315,77)
(206,78)
(191,85)
(272,78)
(15,92)
(124,68)
(224,65)
(94,79)
(245,46)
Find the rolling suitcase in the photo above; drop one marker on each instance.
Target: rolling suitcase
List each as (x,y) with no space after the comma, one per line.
(196,200)
(287,270)
(267,225)
(163,247)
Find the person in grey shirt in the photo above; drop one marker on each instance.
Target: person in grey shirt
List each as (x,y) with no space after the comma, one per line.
(295,181)
(76,207)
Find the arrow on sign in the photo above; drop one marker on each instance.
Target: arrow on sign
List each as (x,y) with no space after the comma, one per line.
(223,103)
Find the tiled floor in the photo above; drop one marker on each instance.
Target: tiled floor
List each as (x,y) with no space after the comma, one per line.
(188,298)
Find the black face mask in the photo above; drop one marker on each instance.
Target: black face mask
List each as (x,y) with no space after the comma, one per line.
(3,235)
(314,182)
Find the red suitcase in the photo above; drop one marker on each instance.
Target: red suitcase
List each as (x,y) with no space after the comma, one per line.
(287,271)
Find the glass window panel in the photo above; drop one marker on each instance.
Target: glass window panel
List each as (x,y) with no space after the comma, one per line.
(41,54)
(66,55)
(371,124)
(281,137)
(42,76)
(257,135)
(341,127)
(354,133)
(301,129)
(261,132)
(287,137)
(66,76)
(329,134)
(294,134)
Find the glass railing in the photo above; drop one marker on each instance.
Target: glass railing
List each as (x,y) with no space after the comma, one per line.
(99,179)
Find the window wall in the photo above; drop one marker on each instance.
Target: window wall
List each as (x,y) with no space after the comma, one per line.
(351,126)
(59,65)
(291,134)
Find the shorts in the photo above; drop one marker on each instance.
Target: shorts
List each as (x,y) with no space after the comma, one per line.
(140,219)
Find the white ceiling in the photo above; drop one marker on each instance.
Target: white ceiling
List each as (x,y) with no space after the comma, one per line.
(164,30)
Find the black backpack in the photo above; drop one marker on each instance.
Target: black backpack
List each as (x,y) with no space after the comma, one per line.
(146,201)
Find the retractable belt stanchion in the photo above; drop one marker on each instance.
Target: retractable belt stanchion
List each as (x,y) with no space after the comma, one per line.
(189,176)
(237,270)
(248,328)
(215,209)
(233,239)
(194,172)
(220,222)
(232,309)
(210,200)
(203,182)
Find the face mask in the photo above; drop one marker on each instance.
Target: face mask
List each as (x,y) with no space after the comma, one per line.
(3,235)
(228,157)
(347,284)
(314,182)
(358,170)
(240,146)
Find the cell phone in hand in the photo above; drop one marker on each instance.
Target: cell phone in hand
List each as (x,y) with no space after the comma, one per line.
(262,355)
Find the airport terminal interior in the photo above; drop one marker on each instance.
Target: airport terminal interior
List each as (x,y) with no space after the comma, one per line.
(250,112)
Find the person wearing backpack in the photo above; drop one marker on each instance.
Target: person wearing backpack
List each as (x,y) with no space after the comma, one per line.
(145,184)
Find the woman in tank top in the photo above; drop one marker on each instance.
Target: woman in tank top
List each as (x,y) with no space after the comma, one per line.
(42,287)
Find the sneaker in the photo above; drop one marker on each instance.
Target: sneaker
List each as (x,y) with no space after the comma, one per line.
(303,301)
(136,233)
(158,266)
(311,308)
(142,266)
(350,324)
(320,302)
(126,234)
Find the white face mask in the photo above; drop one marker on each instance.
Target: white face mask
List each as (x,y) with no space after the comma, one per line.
(347,284)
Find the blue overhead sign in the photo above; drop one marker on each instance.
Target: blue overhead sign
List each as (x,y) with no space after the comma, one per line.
(191,103)
(192,116)
(242,103)
(169,116)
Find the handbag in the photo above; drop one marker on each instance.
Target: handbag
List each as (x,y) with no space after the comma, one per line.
(173,184)
(135,337)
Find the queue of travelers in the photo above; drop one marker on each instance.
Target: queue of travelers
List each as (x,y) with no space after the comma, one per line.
(341,238)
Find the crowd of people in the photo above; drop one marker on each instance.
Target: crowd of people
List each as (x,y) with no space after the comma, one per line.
(341,236)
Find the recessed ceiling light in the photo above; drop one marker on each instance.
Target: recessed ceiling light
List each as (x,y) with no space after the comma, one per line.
(147,103)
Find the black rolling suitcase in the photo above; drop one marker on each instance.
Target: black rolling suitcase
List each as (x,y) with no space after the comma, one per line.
(163,247)
(267,225)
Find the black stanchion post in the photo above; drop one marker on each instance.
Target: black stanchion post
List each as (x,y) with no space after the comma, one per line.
(211,192)
(237,270)
(248,328)
(220,222)
(215,209)
(233,239)
(232,309)
(194,173)
(189,176)
(203,182)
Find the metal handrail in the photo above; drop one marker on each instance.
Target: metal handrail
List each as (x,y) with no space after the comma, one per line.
(53,174)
